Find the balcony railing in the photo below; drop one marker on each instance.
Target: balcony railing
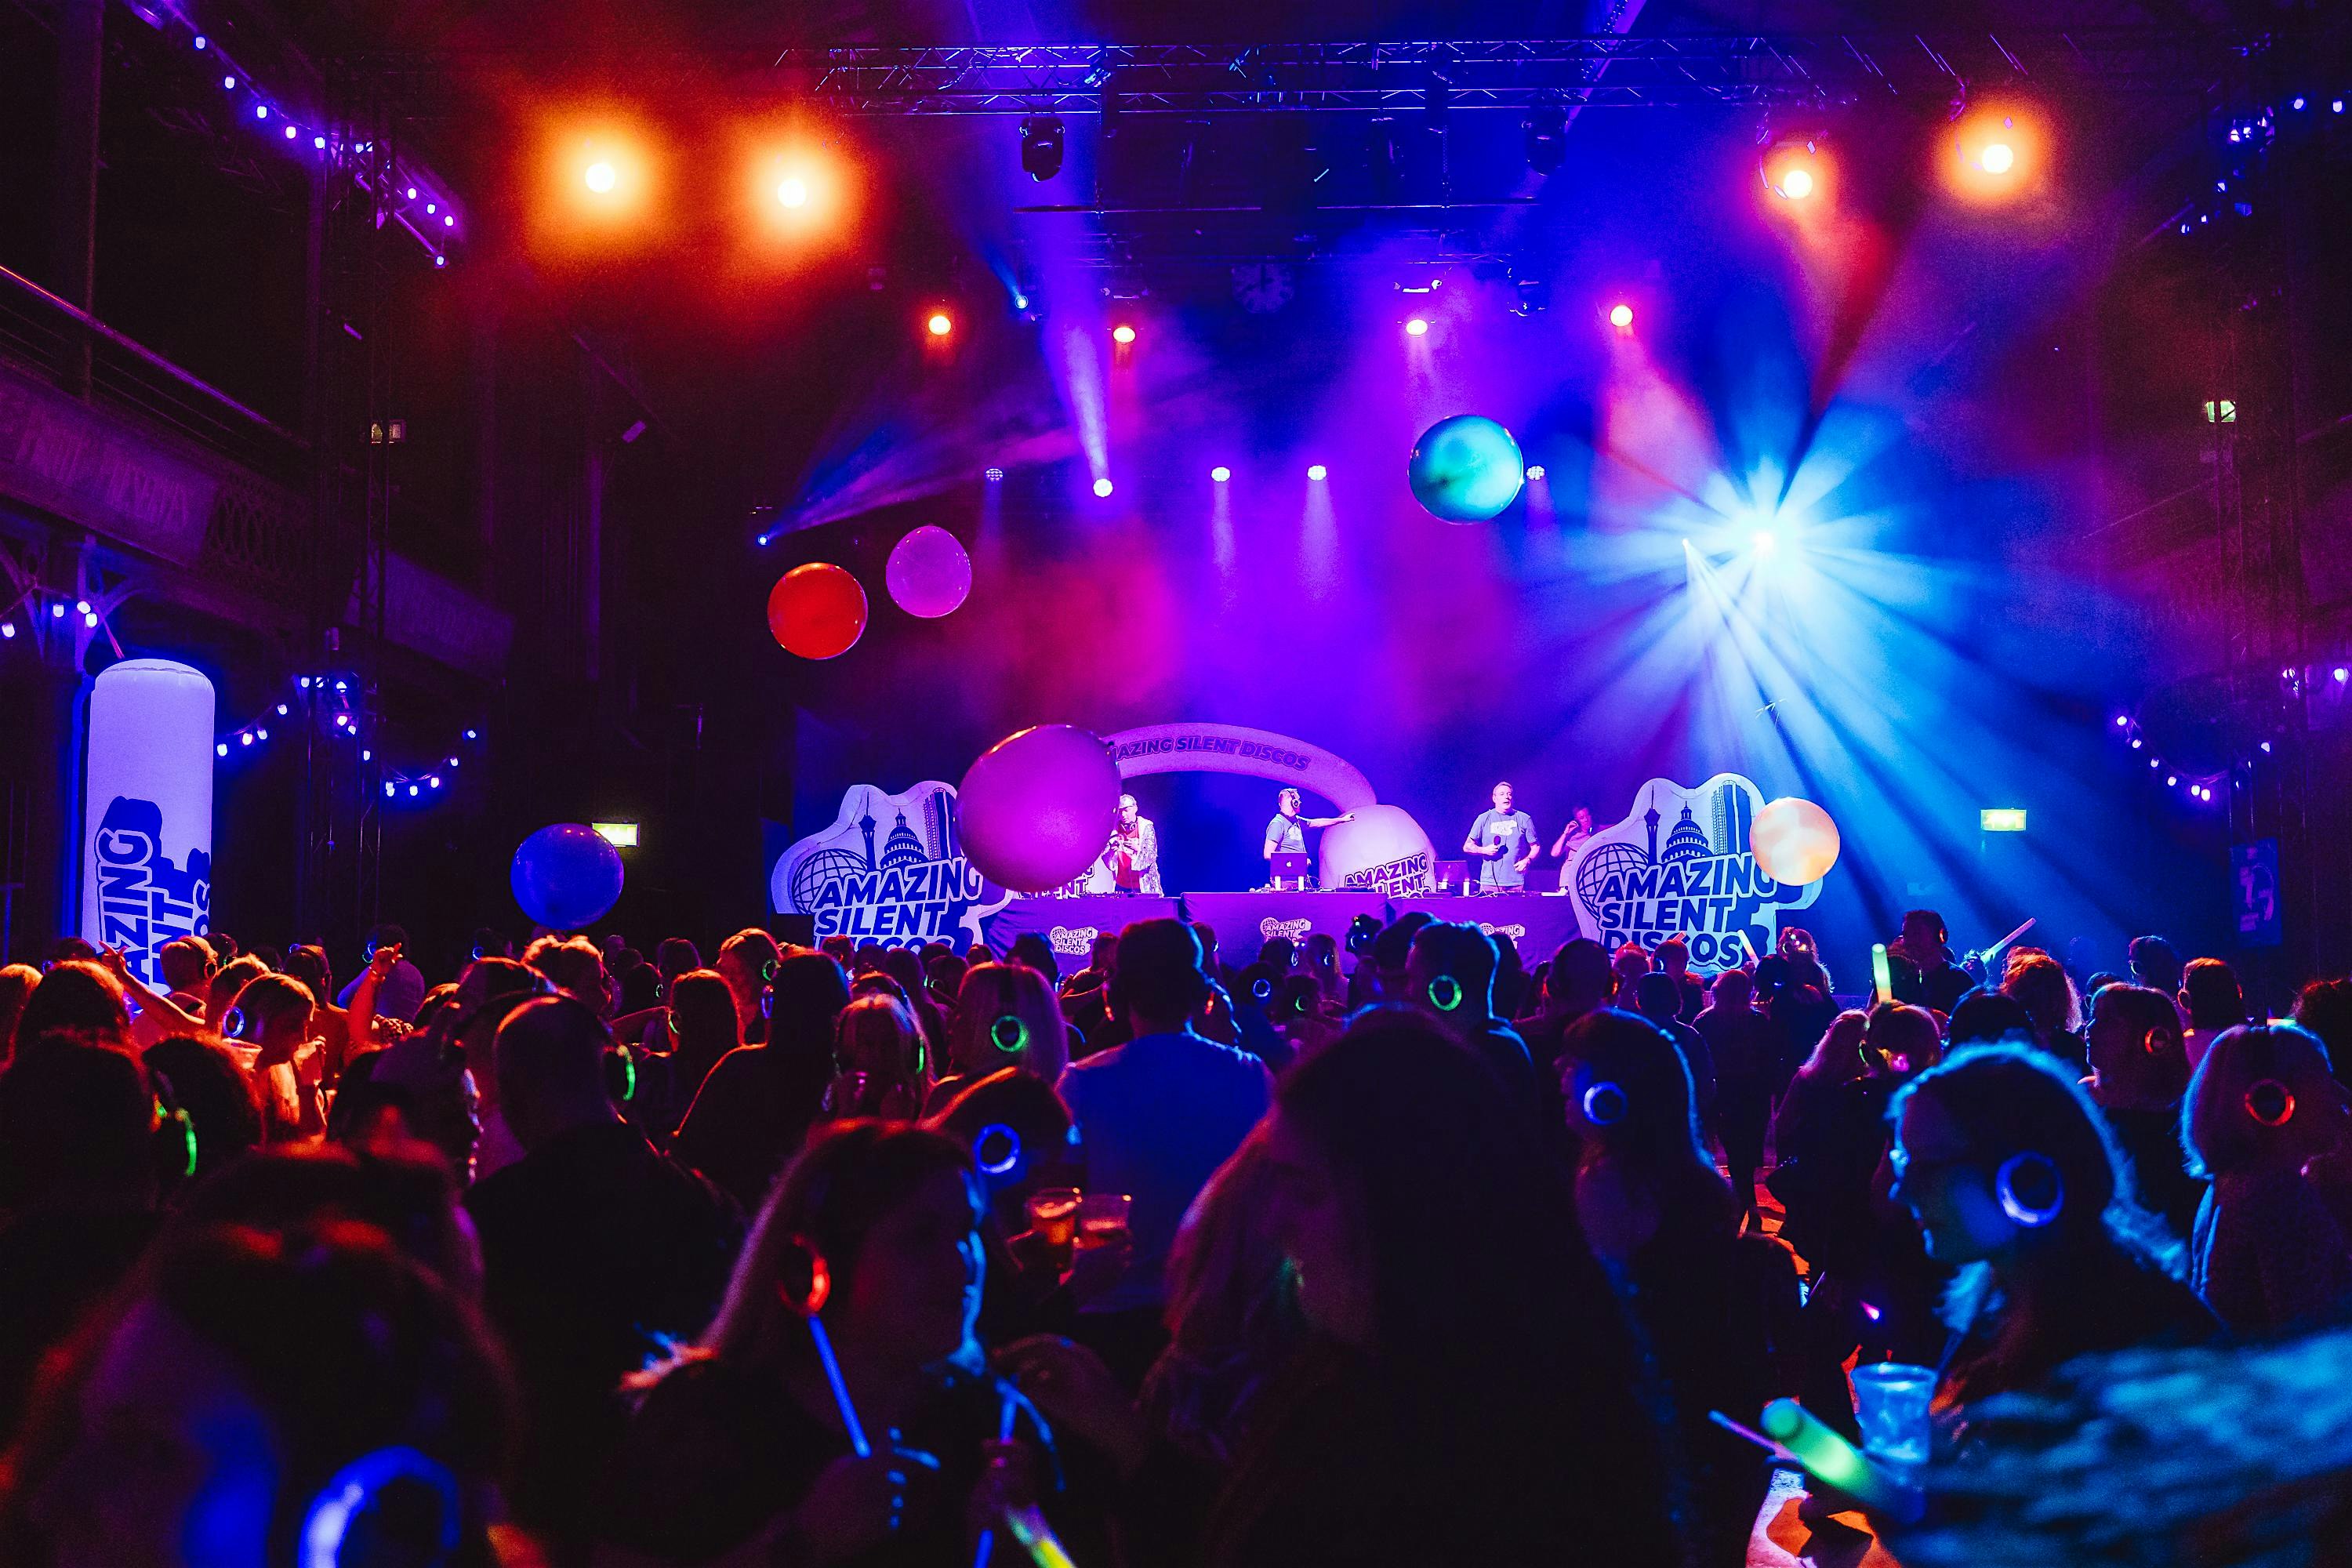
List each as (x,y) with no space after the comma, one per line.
(53,337)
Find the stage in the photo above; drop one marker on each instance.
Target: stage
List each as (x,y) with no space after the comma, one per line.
(1537,923)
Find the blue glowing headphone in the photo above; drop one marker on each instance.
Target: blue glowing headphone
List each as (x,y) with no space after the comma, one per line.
(234,1025)
(2030,1191)
(355,1503)
(1447,994)
(1010,1034)
(1604,1103)
(1004,1157)
(1262,989)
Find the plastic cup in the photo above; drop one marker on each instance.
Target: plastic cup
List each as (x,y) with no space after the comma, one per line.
(1054,1214)
(1891,1401)
(1102,1218)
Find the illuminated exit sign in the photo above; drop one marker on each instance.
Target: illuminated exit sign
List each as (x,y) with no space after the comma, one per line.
(624,834)
(2001,819)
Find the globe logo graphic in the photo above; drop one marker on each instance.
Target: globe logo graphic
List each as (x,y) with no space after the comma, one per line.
(810,875)
(1600,865)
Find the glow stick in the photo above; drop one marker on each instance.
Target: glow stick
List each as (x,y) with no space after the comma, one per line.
(1005,1415)
(1831,1460)
(858,1443)
(1882,973)
(1034,1535)
(2005,941)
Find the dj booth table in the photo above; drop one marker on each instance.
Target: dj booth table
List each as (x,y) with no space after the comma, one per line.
(1538,923)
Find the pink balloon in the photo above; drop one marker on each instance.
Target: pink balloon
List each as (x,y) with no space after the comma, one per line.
(1038,807)
(928,573)
(1794,841)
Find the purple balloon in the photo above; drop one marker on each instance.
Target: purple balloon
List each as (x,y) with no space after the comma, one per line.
(929,573)
(1038,807)
(566,876)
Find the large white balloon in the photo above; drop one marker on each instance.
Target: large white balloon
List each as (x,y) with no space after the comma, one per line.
(1382,851)
(147,812)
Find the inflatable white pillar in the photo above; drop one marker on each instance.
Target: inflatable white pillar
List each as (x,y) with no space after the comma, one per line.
(147,810)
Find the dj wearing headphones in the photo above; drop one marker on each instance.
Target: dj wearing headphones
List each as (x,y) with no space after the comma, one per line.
(2015,1181)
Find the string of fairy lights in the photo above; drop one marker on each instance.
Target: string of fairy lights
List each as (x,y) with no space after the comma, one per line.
(414,199)
(331,702)
(2310,688)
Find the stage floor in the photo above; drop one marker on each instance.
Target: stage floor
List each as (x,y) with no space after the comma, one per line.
(1536,922)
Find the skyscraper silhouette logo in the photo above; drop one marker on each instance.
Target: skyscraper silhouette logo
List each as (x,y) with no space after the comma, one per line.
(889,870)
(1680,865)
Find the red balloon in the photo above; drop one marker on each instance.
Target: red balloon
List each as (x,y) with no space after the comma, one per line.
(818,611)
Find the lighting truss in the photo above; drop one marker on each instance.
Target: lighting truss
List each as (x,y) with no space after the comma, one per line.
(1597,71)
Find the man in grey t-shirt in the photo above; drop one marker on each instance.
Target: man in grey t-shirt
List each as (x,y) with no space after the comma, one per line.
(1505,842)
(1286,834)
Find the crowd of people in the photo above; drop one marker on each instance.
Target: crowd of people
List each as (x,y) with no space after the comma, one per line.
(1385,1249)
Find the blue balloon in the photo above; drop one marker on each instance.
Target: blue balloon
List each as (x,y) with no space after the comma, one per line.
(1465,468)
(566,876)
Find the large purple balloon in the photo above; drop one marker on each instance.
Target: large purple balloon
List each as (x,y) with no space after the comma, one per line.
(929,573)
(566,876)
(1038,807)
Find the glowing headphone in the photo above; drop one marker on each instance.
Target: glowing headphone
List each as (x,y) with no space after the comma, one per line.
(768,1002)
(1262,989)
(1604,1103)
(480,952)
(768,969)
(367,950)
(620,1073)
(177,1131)
(1007,1156)
(1011,1035)
(2270,1103)
(819,1287)
(1446,994)
(358,1500)
(2029,1208)
(235,1024)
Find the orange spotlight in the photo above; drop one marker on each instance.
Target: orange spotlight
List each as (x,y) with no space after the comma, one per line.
(1621,316)
(603,172)
(797,193)
(1122,334)
(1796,171)
(940,324)
(1997,153)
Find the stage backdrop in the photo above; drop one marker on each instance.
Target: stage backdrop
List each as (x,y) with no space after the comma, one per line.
(1680,865)
(147,810)
(890,869)
(1382,851)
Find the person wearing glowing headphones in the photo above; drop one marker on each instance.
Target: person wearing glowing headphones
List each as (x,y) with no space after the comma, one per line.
(2016,1182)
(1450,977)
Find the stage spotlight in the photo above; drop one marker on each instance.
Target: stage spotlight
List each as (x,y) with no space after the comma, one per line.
(1994,152)
(1102,487)
(1763,541)
(1794,169)
(1620,317)
(1041,146)
(939,324)
(1535,470)
(1416,328)
(993,476)
(792,192)
(1122,333)
(1316,473)
(1221,473)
